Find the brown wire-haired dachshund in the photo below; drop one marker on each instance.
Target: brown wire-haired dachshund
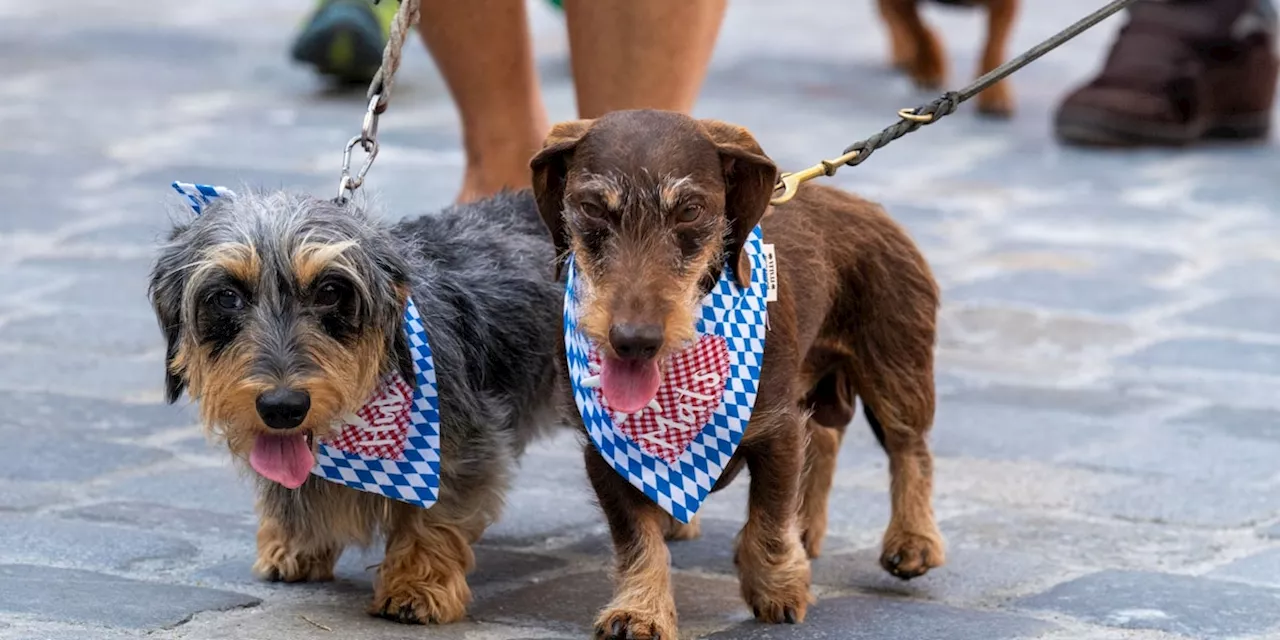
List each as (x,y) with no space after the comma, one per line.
(653,206)
(917,50)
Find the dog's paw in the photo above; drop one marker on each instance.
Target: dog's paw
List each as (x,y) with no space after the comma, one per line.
(621,624)
(421,602)
(278,564)
(787,605)
(776,588)
(909,555)
(996,101)
(677,530)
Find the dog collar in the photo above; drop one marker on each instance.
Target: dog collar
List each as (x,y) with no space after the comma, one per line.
(391,445)
(675,449)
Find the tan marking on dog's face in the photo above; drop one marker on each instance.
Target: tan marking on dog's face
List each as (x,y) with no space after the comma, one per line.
(239,260)
(672,191)
(312,259)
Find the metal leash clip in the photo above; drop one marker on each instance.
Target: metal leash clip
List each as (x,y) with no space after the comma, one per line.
(368,140)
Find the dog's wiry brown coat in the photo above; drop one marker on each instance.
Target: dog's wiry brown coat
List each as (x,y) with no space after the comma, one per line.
(854,318)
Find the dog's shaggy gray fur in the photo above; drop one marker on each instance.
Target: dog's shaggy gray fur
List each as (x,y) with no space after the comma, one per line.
(482,278)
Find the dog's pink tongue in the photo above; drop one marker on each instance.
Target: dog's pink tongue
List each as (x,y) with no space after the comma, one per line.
(629,385)
(283,459)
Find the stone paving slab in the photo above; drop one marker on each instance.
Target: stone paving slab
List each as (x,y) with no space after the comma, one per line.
(1195,607)
(1108,357)
(104,600)
(859,618)
(41,540)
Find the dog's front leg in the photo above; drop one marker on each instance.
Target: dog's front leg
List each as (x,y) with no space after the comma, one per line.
(423,578)
(289,556)
(294,542)
(643,607)
(773,567)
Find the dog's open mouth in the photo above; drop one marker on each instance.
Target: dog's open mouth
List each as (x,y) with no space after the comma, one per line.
(286,459)
(629,385)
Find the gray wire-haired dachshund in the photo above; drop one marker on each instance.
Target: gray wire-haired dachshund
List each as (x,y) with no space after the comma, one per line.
(282,313)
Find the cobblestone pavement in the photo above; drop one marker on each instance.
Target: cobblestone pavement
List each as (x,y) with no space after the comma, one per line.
(1107,438)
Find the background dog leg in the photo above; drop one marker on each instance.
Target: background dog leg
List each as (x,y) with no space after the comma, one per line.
(772,566)
(423,578)
(927,66)
(642,607)
(902,49)
(997,100)
(821,451)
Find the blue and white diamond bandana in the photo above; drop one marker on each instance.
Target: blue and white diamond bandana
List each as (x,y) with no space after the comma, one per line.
(676,448)
(391,446)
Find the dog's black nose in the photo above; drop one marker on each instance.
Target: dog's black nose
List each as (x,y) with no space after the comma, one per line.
(635,341)
(284,408)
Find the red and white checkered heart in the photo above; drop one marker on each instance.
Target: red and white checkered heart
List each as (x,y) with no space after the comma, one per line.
(379,429)
(692,388)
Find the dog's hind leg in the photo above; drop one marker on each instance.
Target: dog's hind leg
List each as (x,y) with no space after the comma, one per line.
(898,401)
(912,542)
(773,568)
(643,607)
(423,578)
(896,305)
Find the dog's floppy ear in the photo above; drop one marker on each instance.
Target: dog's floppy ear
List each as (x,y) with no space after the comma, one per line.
(401,355)
(168,281)
(550,171)
(749,177)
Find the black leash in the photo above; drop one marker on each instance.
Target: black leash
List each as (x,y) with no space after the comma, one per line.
(912,119)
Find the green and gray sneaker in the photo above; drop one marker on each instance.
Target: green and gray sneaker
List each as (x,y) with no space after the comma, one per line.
(344,39)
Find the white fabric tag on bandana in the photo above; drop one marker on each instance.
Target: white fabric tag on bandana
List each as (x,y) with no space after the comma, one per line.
(391,445)
(675,449)
(771,266)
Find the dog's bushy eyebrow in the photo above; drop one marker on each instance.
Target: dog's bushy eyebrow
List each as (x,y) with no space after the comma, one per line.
(671,191)
(607,186)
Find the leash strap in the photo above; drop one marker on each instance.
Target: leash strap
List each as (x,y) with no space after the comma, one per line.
(910,120)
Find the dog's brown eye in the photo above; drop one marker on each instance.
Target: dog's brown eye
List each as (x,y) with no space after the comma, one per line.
(228,300)
(689,213)
(591,209)
(329,294)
